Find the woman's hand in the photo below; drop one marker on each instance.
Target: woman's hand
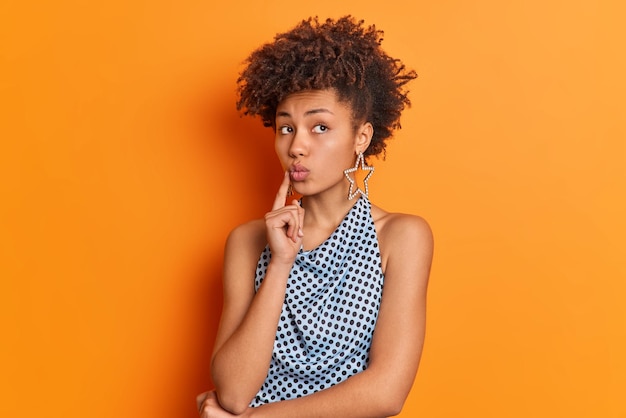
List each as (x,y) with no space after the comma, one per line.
(209,407)
(284,226)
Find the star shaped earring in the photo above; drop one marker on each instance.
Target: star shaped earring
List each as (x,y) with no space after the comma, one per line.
(355,188)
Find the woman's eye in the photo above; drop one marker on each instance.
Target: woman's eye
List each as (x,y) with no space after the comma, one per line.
(319,129)
(285,130)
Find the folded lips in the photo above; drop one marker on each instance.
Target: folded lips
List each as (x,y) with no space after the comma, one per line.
(297,169)
(298,173)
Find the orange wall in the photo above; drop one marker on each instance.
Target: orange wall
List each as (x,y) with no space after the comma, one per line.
(123,165)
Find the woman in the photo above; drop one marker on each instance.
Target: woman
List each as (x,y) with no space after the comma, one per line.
(324,298)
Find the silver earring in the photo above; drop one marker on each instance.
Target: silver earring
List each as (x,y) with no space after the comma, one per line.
(358,165)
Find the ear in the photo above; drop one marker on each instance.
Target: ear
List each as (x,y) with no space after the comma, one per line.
(363,138)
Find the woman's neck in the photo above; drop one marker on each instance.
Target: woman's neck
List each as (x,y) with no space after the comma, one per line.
(326,211)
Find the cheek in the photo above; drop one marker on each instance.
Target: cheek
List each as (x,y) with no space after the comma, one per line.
(281,153)
(344,156)
(348,162)
(277,147)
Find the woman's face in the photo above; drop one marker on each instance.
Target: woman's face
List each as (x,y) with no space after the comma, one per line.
(316,140)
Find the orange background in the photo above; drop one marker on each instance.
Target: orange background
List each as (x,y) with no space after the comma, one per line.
(124,164)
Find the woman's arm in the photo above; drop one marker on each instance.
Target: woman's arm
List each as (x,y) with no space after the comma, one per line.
(381,389)
(245,338)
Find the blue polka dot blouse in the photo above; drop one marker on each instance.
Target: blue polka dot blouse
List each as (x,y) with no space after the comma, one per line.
(329,313)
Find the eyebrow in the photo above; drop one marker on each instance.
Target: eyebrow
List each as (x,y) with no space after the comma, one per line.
(282,113)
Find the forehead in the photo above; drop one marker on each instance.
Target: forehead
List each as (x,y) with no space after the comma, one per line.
(306,100)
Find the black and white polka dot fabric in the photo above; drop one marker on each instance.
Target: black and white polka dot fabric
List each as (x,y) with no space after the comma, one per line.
(329,313)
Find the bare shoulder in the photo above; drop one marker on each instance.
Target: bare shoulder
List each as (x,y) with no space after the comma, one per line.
(243,248)
(403,237)
(251,233)
(400,226)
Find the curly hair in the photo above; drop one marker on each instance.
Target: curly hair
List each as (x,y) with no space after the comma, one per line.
(341,54)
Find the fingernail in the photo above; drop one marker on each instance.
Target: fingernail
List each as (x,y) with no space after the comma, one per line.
(300,233)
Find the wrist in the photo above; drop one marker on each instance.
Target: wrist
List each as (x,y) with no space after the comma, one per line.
(280,265)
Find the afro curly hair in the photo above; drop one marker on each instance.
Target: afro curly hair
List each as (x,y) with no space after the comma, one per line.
(341,54)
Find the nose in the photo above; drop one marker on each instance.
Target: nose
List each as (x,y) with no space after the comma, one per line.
(298,146)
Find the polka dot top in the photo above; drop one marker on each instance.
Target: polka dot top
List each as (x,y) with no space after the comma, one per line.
(329,313)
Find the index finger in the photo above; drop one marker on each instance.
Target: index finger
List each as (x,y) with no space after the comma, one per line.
(281,195)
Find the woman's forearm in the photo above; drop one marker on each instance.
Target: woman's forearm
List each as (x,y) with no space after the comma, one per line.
(370,393)
(240,365)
